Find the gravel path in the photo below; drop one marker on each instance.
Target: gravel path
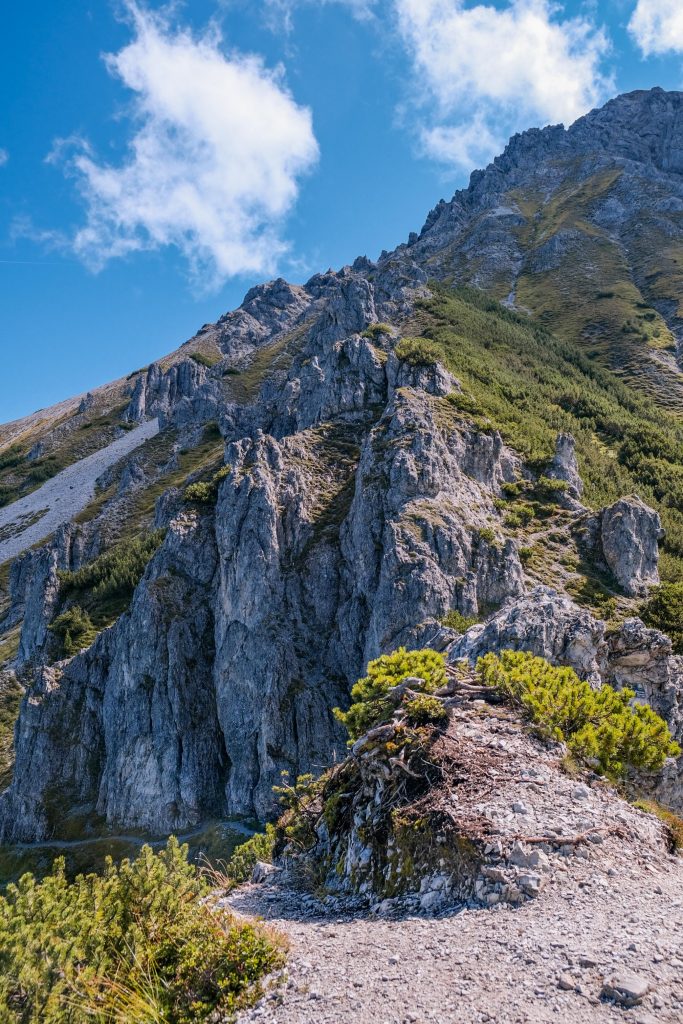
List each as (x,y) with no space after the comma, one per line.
(31,519)
(501,965)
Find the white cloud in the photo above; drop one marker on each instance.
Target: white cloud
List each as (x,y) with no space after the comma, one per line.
(657,26)
(490,70)
(212,166)
(4,157)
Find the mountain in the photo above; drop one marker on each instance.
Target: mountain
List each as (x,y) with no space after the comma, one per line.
(383,456)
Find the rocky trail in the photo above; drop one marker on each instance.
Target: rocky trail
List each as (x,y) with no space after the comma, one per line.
(33,518)
(545,961)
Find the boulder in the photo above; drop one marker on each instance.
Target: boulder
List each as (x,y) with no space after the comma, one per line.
(630,532)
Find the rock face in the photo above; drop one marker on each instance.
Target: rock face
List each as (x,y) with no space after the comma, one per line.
(361,505)
(565,466)
(358,511)
(630,532)
(545,623)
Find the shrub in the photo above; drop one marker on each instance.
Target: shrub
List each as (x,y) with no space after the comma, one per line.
(526,555)
(548,489)
(203,360)
(201,493)
(141,942)
(369,704)
(258,847)
(487,534)
(75,629)
(521,515)
(425,710)
(664,610)
(418,351)
(462,401)
(12,457)
(373,331)
(600,727)
(459,622)
(104,587)
(205,492)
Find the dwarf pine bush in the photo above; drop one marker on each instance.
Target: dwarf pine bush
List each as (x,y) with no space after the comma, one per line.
(75,629)
(418,351)
(602,727)
(141,942)
(258,847)
(664,610)
(369,704)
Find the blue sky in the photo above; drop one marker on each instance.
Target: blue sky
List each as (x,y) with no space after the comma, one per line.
(155,162)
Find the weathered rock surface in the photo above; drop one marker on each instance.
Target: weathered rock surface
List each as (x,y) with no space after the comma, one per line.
(630,532)
(360,508)
(546,623)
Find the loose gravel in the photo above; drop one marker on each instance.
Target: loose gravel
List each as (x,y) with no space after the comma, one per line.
(542,962)
(33,518)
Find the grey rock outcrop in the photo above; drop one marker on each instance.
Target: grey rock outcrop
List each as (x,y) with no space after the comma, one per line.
(548,625)
(565,465)
(630,534)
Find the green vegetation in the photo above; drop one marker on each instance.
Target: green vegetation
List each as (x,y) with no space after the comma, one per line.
(418,351)
(103,588)
(600,727)
(203,360)
(374,331)
(259,847)
(11,693)
(664,610)
(12,456)
(425,710)
(529,385)
(205,492)
(459,622)
(672,823)
(369,705)
(143,942)
(75,629)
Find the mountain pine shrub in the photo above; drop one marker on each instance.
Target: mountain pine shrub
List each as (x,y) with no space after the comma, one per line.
(105,586)
(664,610)
(369,705)
(75,629)
(600,727)
(418,351)
(205,492)
(140,943)
(243,861)
(457,621)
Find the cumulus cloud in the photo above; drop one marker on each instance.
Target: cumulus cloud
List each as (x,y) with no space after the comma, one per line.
(213,162)
(657,26)
(486,70)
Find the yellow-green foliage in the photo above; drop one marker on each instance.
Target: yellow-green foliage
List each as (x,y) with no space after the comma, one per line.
(141,942)
(205,492)
(369,704)
(258,847)
(418,351)
(373,331)
(75,629)
(600,727)
(664,610)
(459,622)
(422,709)
(529,385)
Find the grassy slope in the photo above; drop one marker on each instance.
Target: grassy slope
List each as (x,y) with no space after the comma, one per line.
(529,384)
